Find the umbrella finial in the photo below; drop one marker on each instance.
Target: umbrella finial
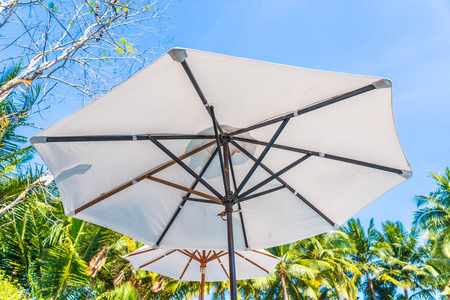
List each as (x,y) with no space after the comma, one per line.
(382,83)
(178,54)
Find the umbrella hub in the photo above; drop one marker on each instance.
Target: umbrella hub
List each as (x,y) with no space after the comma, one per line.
(251,148)
(229,204)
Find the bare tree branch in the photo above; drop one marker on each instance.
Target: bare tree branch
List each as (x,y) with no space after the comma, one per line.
(22,195)
(83,45)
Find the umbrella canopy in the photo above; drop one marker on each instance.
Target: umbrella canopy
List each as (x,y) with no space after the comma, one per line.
(340,136)
(187,264)
(293,152)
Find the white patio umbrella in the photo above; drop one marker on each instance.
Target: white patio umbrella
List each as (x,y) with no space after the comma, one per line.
(202,265)
(152,159)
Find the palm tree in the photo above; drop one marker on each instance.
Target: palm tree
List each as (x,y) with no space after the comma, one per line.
(433,214)
(40,250)
(311,269)
(290,274)
(368,252)
(433,219)
(435,272)
(333,250)
(402,264)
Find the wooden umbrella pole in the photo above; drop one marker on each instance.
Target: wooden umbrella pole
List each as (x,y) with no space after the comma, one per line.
(229,214)
(202,285)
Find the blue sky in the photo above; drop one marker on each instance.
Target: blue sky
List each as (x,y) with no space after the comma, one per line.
(406,41)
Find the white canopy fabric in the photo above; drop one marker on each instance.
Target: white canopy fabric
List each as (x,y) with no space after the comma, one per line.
(341,125)
(186,264)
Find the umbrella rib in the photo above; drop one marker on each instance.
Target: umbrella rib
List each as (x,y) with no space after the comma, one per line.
(274,176)
(324,155)
(310,108)
(241,216)
(183,202)
(202,200)
(156,259)
(118,138)
(141,177)
(263,154)
(223,268)
(137,253)
(189,254)
(180,187)
(199,91)
(266,254)
(262,193)
(185,167)
(285,184)
(215,255)
(207,256)
(222,168)
(252,262)
(187,265)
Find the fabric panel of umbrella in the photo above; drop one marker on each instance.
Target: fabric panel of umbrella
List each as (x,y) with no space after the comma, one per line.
(202,265)
(293,152)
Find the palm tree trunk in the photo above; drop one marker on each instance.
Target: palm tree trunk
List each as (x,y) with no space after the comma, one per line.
(90,287)
(374,296)
(406,293)
(323,296)
(222,295)
(283,285)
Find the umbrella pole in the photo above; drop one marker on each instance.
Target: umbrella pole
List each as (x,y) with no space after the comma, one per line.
(202,285)
(232,267)
(229,213)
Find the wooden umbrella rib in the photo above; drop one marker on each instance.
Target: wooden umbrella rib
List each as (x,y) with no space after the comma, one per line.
(141,177)
(156,259)
(186,155)
(141,252)
(188,254)
(223,268)
(215,255)
(266,254)
(174,185)
(252,262)
(187,265)
(207,256)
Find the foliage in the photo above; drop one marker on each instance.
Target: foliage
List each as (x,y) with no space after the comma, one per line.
(10,290)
